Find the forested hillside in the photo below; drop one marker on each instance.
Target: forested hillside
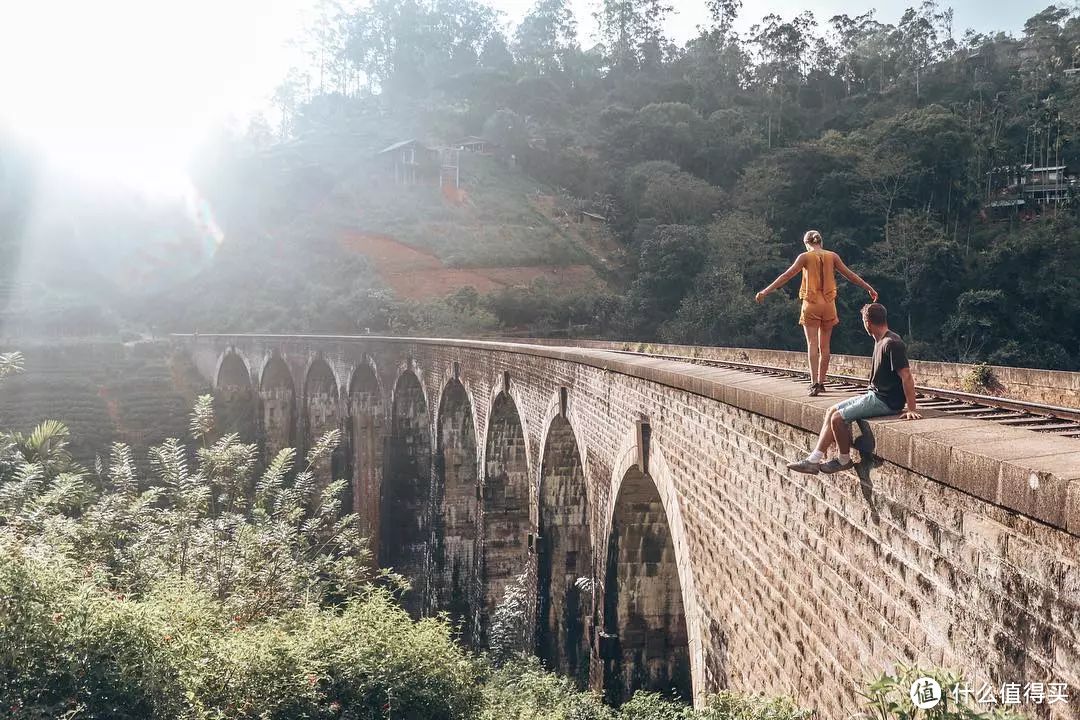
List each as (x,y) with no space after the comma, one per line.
(710,160)
(913,146)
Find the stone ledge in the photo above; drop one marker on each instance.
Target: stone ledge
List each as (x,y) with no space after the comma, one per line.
(1022,471)
(1058,387)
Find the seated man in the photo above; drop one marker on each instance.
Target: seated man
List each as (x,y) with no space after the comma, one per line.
(891,386)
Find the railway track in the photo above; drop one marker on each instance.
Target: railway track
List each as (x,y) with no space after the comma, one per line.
(1047,419)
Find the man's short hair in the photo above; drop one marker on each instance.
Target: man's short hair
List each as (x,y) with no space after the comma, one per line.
(875,314)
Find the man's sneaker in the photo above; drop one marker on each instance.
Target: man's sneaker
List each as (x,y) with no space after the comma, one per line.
(805,466)
(835,466)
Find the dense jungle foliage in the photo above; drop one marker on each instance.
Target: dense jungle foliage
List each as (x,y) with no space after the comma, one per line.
(711,159)
(708,160)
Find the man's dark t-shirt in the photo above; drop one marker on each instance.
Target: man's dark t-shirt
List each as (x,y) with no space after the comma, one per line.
(890,356)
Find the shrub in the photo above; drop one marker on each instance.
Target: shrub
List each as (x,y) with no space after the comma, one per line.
(522,690)
(368,661)
(732,706)
(888,698)
(207,594)
(653,706)
(980,379)
(70,646)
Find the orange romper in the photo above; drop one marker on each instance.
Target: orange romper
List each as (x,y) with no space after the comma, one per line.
(818,290)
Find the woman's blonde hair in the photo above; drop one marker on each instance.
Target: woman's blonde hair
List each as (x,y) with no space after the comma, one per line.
(812,237)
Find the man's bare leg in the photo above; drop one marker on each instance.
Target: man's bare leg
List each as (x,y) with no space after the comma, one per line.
(825,439)
(841,432)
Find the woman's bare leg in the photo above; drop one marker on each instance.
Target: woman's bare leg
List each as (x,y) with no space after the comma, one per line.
(813,351)
(824,339)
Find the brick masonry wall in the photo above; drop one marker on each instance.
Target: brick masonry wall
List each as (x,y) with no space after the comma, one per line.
(564,554)
(455,536)
(793,584)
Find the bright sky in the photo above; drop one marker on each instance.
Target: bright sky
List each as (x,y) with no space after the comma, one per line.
(124,88)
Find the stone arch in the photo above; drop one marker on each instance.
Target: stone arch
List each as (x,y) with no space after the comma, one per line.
(322,414)
(235,405)
(278,398)
(457,484)
(365,413)
(405,504)
(564,555)
(652,637)
(506,505)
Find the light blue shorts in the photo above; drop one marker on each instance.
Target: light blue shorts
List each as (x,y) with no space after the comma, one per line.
(864,406)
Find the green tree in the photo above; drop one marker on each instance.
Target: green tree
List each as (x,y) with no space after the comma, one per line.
(546,38)
(917,41)
(633,31)
(661,191)
(669,131)
(671,255)
(921,264)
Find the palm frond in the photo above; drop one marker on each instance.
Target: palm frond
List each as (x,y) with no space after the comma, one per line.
(47,444)
(11,363)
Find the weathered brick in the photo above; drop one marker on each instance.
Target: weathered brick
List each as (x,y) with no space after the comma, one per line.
(786,583)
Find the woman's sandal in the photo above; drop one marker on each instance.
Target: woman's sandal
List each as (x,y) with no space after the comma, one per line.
(816,389)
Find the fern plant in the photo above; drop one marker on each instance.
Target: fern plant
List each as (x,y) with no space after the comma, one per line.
(258,545)
(509,621)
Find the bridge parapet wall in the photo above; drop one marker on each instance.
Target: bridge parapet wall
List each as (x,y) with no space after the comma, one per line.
(957,544)
(1052,387)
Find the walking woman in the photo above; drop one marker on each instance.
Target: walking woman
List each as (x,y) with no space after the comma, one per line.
(818,295)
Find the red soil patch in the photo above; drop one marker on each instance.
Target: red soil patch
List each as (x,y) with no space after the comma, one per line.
(418,275)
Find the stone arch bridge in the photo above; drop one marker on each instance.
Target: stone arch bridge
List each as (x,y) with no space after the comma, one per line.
(663,543)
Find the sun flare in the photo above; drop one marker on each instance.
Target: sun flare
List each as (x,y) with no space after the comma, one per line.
(123,90)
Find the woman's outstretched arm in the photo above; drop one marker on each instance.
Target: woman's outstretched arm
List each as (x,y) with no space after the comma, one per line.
(779,282)
(854,277)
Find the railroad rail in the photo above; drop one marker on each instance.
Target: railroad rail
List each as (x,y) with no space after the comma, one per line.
(1048,419)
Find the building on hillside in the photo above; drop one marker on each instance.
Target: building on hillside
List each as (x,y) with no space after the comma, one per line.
(1044,185)
(409,162)
(475,144)
(1018,189)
